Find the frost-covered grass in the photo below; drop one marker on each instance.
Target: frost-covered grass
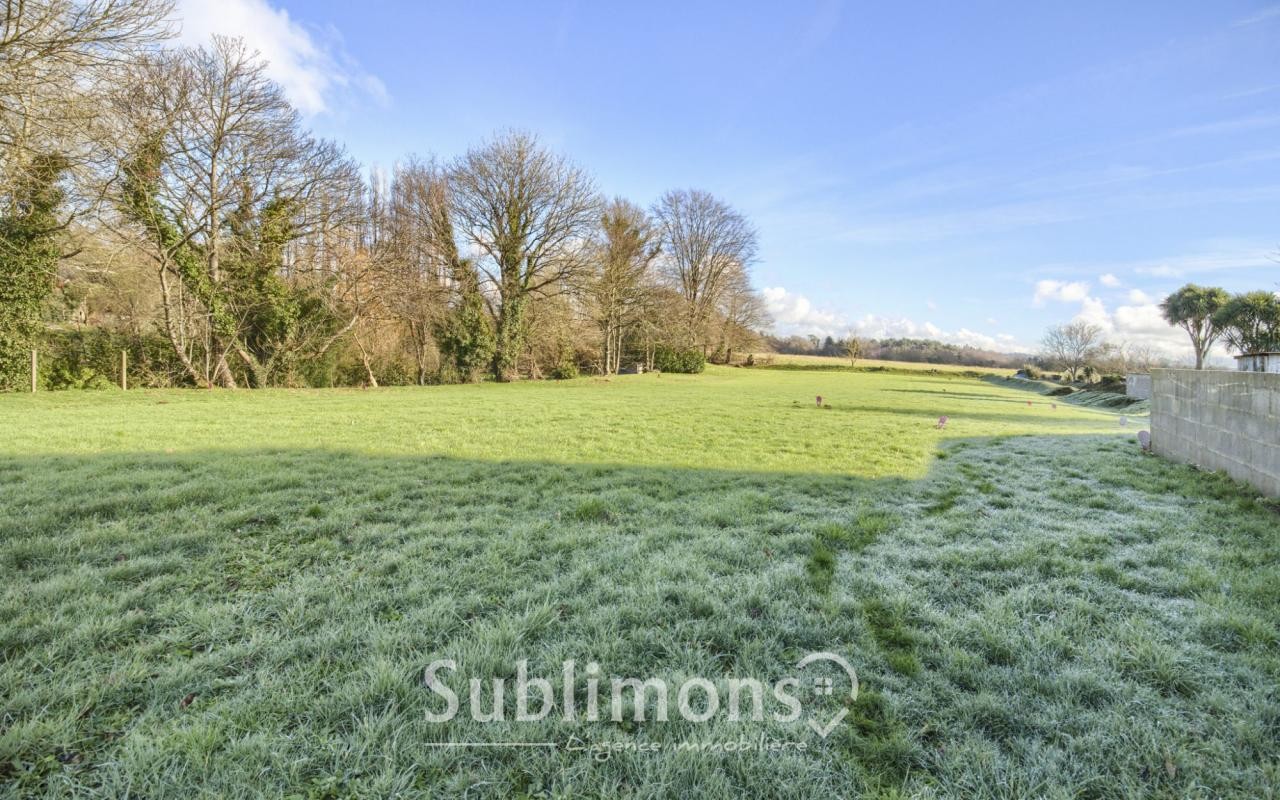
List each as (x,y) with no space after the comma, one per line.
(234,595)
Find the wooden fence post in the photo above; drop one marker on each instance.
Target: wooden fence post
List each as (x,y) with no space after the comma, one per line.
(124,370)
(34,370)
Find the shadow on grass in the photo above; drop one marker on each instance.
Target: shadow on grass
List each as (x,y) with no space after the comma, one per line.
(170,599)
(966,396)
(930,414)
(197,621)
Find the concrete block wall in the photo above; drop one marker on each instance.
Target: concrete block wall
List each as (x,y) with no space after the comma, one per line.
(1138,385)
(1219,420)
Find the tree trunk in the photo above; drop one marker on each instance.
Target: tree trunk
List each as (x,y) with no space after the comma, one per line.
(606,353)
(170,329)
(222,370)
(364,361)
(506,356)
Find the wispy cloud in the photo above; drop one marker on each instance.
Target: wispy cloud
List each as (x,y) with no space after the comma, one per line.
(310,64)
(1179,266)
(1212,255)
(928,227)
(1252,122)
(1268,13)
(1256,90)
(1060,291)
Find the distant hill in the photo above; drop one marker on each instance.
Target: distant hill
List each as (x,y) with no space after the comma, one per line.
(921,351)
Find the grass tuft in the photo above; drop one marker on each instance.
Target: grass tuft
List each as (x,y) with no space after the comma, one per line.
(821,566)
(592,510)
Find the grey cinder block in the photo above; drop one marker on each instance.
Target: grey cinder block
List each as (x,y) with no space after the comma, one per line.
(1219,420)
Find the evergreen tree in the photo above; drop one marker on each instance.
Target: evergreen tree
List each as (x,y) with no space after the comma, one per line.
(466,337)
(29,251)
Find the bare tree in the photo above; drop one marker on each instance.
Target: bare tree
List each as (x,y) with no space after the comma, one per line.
(58,61)
(854,348)
(1139,358)
(620,281)
(232,197)
(529,214)
(741,314)
(412,233)
(1072,347)
(704,242)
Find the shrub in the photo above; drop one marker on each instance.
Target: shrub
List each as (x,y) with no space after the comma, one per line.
(565,370)
(90,359)
(669,359)
(1031,371)
(350,371)
(566,367)
(66,376)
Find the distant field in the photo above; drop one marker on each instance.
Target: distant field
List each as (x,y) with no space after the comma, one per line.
(234,594)
(867,363)
(879,424)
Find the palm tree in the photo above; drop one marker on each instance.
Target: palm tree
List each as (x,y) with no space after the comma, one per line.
(1192,308)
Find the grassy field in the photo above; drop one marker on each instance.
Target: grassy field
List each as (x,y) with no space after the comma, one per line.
(212,594)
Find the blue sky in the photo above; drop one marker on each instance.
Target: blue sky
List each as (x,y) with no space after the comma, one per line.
(973,172)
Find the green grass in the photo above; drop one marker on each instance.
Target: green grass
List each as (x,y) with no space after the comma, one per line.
(879,424)
(212,594)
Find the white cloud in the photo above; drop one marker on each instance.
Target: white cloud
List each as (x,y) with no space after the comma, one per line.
(313,69)
(1138,297)
(793,313)
(1094,310)
(1061,291)
(1109,280)
(877,327)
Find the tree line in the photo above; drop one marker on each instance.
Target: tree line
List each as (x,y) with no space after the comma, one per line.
(924,351)
(170,201)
